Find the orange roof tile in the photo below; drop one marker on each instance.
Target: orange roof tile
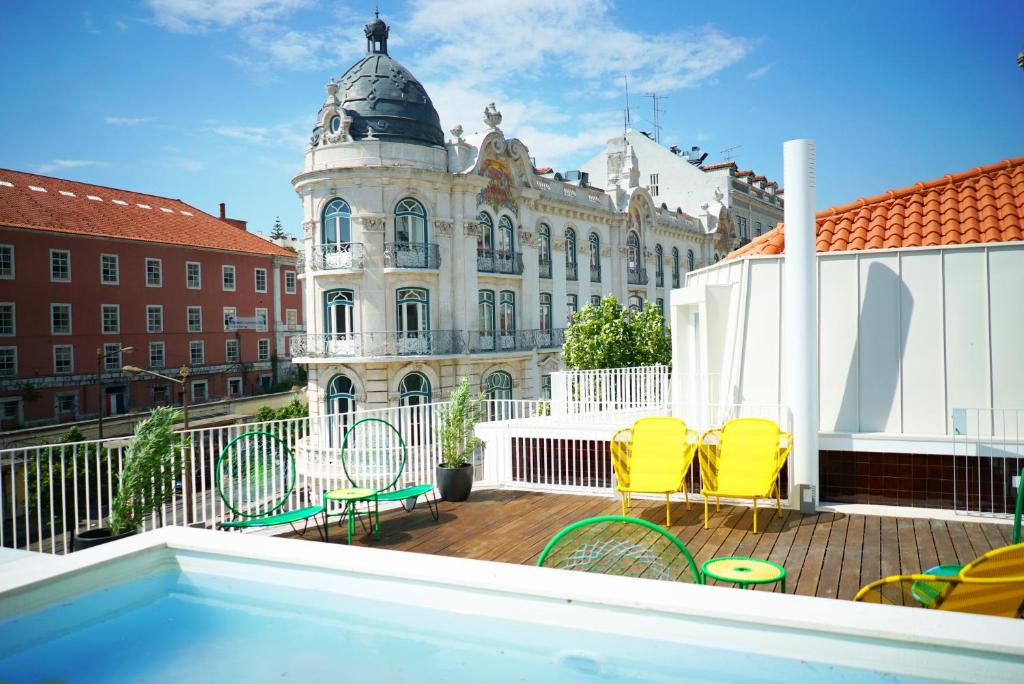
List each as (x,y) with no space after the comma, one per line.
(29,200)
(985,204)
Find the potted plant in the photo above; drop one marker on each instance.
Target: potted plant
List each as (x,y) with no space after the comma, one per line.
(152,465)
(455,471)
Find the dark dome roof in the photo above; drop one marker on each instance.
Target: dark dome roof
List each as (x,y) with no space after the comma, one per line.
(380,94)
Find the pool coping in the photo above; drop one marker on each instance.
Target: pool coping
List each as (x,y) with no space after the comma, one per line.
(943,635)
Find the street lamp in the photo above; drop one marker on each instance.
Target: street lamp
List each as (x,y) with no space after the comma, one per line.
(185,396)
(101,359)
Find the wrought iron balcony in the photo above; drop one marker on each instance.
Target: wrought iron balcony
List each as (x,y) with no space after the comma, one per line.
(595,274)
(659,279)
(497,341)
(488,261)
(675,280)
(545,268)
(374,344)
(552,338)
(636,276)
(570,271)
(347,256)
(412,255)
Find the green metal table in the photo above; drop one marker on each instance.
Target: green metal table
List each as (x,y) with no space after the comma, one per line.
(351,496)
(743,571)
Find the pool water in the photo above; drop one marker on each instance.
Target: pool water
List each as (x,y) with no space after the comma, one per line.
(194,627)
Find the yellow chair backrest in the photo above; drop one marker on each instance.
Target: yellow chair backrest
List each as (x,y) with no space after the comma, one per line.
(656,454)
(986,589)
(748,456)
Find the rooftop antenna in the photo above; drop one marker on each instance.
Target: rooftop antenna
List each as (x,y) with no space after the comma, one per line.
(626,123)
(654,107)
(727,152)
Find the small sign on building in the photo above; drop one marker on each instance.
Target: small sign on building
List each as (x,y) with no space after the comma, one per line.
(246,322)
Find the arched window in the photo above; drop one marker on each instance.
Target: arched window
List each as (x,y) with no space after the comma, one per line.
(659,267)
(339,323)
(340,404)
(485,238)
(675,267)
(545,311)
(636,303)
(544,250)
(410,222)
(413,310)
(336,223)
(414,390)
(506,236)
(498,385)
(570,254)
(595,258)
(633,251)
(507,313)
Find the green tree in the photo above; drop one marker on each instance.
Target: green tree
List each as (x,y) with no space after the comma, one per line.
(278,231)
(611,336)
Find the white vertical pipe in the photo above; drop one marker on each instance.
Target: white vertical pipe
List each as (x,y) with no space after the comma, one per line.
(800,319)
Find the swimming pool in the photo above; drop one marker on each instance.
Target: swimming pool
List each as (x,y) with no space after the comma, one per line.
(181,605)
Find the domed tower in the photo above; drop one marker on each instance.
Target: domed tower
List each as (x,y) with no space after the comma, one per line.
(378,99)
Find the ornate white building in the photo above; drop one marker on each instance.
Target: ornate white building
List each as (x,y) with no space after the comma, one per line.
(425,260)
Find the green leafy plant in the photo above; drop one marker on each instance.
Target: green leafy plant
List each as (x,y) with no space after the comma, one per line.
(610,336)
(458,419)
(294,409)
(152,465)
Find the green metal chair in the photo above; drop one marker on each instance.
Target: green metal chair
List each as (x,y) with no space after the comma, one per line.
(374,456)
(620,545)
(255,478)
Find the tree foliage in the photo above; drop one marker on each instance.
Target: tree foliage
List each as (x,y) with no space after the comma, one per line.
(611,336)
(295,409)
(278,231)
(458,419)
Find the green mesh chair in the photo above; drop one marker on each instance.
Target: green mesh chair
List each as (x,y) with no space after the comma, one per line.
(620,545)
(255,478)
(374,457)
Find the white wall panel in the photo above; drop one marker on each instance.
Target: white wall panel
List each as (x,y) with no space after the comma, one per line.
(923,380)
(839,306)
(759,366)
(967,350)
(1006,277)
(879,343)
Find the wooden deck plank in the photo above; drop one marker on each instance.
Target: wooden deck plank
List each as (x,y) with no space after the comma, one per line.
(927,554)
(811,567)
(945,553)
(849,570)
(890,551)
(979,542)
(961,543)
(910,563)
(871,550)
(832,563)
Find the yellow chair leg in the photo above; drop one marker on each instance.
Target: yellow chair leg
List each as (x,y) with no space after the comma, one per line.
(668,513)
(705,512)
(778,498)
(718,504)
(755,515)
(623,504)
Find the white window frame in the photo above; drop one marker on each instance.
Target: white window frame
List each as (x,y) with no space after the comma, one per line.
(289,275)
(117,270)
(109,353)
(188,317)
(70,318)
(241,387)
(256,279)
(56,403)
(160,308)
(15,357)
(7,401)
(11,275)
(238,350)
(53,252)
(234,312)
(14,319)
(654,184)
(224,270)
(163,354)
(291,318)
(192,389)
(199,271)
(160,271)
(202,353)
(71,349)
(259,346)
(266,319)
(103,319)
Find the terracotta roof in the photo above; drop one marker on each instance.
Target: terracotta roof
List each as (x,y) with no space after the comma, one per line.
(715,167)
(28,200)
(985,204)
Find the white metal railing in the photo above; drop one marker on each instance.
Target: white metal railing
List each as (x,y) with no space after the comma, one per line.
(613,389)
(988,456)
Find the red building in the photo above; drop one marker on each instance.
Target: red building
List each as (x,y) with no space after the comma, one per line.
(86,270)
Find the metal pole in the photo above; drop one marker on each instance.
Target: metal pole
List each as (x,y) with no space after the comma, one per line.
(190,466)
(99,389)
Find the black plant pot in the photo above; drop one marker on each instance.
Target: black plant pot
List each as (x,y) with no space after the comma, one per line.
(95,537)
(455,484)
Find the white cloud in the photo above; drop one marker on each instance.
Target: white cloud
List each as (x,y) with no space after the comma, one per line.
(128,120)
(190,165)
(197,16)
(61,164)
(287,135)
(759,72)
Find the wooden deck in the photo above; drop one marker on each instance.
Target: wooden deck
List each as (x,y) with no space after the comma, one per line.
(828,554)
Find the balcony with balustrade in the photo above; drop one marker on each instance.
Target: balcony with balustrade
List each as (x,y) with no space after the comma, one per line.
(595,274)
(550,338)
(636,276)
(499,262)
(571,271)
(412,255)
(375,345)
(544,266)
(497,341)
(339,258)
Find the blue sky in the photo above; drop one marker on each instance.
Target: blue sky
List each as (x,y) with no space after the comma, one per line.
(213,100)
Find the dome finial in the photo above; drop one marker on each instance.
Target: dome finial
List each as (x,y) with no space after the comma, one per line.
(376,35)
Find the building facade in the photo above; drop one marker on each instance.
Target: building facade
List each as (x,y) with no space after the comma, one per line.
(427,259)
(87,270)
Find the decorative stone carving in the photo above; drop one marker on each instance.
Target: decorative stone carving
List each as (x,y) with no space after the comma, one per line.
(470,228)
(373,224)
(457,134)
(557,244)
(443,228)
(492,117)
(648,253)
(583,247)
(606,251)
(526,238)
(307,228)
(624,251)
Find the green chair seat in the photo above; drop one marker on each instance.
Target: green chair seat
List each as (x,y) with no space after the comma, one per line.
(405,493)
(275,519)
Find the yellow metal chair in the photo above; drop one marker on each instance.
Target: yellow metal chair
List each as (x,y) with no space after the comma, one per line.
(992,584)
(743,460)
(653,457)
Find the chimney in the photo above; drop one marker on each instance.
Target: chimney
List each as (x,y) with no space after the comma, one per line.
(237,223)
(223,212)
(800,315)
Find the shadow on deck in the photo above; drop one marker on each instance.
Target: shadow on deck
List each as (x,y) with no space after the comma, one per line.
(827,554)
